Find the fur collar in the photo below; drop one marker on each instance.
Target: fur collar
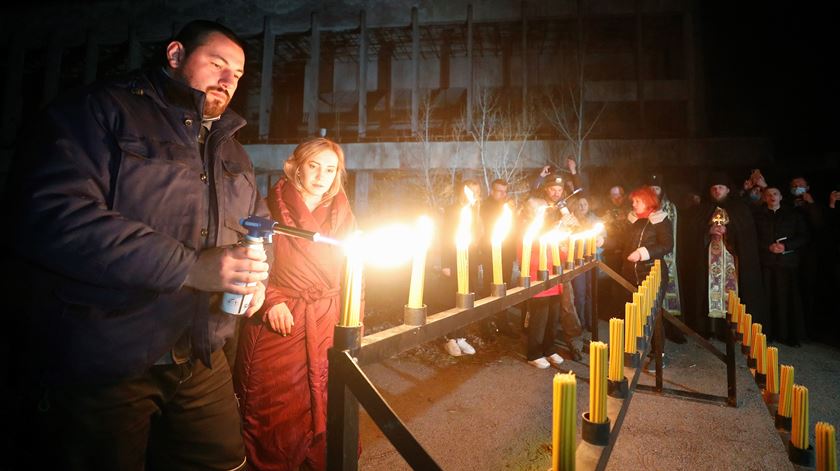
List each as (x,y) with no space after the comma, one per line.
(655,217)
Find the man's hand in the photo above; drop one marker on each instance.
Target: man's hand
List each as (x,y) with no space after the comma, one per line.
(777,247)
(571,164)
(219,269)
(808,198)
(280,319)
(447,272)
(545,171)
(634,256)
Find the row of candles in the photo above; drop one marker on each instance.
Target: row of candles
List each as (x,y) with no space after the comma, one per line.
(601,373)
(390,244)
(792,411)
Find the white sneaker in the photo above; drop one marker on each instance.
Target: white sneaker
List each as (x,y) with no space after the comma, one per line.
(555,359)
(466,348)
(540,363)
(452,348)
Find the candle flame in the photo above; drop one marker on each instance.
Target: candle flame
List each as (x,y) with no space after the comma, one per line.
(463,235)
(425,228)
(391,245)
(470,195)
(536,224)
(502,227)
(599,228)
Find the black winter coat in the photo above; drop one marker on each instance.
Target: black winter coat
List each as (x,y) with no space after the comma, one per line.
(115,203)
(785,223)
(654,238)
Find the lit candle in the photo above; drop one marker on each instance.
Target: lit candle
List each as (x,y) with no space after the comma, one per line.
(629,328)
(579,248)
(543,264)
(564,421)
(826,450)
(785,391)
(598,382)
(500,231)
(418,264)
(555,238)
(592,239)
(745,327)
(799,428)
(760,347)
(528,241)
(616,349)
(570,251)
(463,238)
(730,303)
(643,300)
(756,329)
(352,287)
(772,386)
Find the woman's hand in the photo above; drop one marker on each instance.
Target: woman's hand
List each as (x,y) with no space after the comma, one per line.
(280,319)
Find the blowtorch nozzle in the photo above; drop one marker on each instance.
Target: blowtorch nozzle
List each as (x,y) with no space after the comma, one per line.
(263,227)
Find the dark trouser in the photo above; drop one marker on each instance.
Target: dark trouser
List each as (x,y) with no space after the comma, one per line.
(174,417)
(583,298)
(543,315)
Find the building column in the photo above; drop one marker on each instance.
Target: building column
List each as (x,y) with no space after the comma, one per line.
(266,78)
(470,88)
(312,78)
(362,80)
(415,71)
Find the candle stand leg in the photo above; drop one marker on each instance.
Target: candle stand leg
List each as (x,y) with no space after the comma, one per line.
(801,457)
(498,291)
(594,433)
(414,315)
(464,300)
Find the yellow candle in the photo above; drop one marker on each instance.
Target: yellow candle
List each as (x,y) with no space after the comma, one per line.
(352,286)
(639,316)
(760,347)
(528,241)
(799,428)
(500,231)
(570,250)
(643,298)
(579,249)
(629,328)
(543,264)
(785,391)
(826,450)
(463,238)
(756,329)
(616,349)
(555,248)
(564,422)
(418,264)
(745,327)
(598,382)
(772,370)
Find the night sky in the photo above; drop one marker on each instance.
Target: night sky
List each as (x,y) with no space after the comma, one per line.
(769,73)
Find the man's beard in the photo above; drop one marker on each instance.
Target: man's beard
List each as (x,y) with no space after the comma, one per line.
(213,107)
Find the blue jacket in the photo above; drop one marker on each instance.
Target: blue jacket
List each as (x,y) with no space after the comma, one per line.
(116,201)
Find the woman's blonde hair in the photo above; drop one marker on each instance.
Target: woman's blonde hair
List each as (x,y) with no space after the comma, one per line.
(306,151)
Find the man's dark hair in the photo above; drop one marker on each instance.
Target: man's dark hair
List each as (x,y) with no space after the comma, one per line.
(499,181)
(195,33)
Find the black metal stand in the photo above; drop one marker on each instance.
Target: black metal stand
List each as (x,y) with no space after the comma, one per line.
(414,315)
(595,433)
(542,275)
(617,389)
(464,300)
(525,281)
(800,456)
(498,291)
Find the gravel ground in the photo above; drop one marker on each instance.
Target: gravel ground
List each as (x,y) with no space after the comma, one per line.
(492,411)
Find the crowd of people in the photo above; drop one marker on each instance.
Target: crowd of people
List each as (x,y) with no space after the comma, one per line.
(128,204)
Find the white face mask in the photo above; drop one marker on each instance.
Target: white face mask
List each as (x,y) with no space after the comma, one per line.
(798,190)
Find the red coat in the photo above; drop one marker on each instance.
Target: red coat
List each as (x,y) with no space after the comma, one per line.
(282,381)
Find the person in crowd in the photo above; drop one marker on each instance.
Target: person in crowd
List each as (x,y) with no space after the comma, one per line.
(725,238)
(126,208)
(552,193)
(456,343)
(614,217)
(582,284)
(782,233)
(650,237)
(543,308)
(752,190)
(672,303)
(573,180)
(491,211)
(281,369)
(811,281)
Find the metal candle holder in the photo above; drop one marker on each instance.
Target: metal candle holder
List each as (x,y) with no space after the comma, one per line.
(465,300)
(414,315)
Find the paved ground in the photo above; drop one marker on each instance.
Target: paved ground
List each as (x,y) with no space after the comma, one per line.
(492,411)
